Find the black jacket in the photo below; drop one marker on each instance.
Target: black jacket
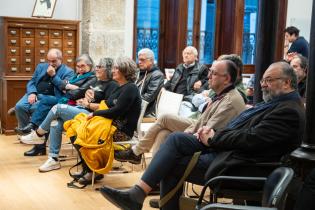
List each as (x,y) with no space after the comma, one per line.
(83,85)
(196,73)
(267,136)
(150,84)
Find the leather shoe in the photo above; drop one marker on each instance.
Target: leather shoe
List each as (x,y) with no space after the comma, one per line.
(26,130)
(120,198)
(154,203)
(87,178)
(128,155)
(39,149)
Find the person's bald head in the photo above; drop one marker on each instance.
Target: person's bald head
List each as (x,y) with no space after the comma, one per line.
(54,57)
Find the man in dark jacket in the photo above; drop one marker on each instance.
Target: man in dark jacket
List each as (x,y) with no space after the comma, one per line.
(188,76)
(265,132)
(150,80)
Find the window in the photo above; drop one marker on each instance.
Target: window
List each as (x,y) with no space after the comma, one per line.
(148,28)
(207,31)
(190,23)
(249,33)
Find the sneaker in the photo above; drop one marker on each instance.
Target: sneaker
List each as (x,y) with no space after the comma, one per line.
(127,155)
(33,138)
(49,165)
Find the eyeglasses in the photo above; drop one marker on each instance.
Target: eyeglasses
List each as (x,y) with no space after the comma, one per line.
(81,66)
(269,80)
(143,59)
(213,73)
(99,66)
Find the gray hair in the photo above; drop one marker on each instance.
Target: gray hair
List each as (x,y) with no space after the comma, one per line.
(55,51)
(303,61)
(193,49)
(127,67)
(107,64)
(289,73)
(86,59)
(148,53)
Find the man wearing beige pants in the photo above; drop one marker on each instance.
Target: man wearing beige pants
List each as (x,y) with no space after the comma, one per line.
(225,105)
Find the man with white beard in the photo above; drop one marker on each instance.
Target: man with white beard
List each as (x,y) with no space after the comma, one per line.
(267,132)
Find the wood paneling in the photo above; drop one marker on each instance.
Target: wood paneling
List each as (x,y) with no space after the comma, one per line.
(24,42)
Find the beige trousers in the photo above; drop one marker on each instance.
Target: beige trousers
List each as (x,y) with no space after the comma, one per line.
(158,132)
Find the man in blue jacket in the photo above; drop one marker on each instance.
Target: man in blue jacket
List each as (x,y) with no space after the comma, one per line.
(42,92)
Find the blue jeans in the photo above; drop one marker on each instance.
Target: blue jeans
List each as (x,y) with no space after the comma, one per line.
(43,107)
(54,123)
(24,110)
(169,163)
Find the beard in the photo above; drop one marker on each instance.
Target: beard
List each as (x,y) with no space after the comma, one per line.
(268,95)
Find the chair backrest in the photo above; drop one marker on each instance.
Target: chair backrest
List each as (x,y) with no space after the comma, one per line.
(168,103)
(144,105)
(276,186)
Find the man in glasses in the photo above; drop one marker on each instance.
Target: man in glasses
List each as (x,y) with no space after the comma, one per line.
(266,132)
(150,80)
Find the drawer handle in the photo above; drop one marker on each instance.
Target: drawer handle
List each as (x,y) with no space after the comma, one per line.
(69,60)
(13,69)
(42,51)
(56,33)
(42,42)
(28,33)
(28,60)
(13,60)
(28,42)
(56,42)
(69,52)
(42,33)
(42,60)
(70,34)
(28,69)
(69,43)
(13,51)
(27,51)
(13,32)
(13,41)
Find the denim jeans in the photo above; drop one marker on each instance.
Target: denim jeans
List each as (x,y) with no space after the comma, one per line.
(24,110)
(46,102)
(54,123)
(170,162)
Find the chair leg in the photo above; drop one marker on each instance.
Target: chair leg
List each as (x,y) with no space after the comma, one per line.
(93,176)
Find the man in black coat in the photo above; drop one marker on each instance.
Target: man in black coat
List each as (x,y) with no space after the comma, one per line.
(266,132)
(150,80)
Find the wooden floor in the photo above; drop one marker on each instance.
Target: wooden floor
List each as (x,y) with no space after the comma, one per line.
(23,187)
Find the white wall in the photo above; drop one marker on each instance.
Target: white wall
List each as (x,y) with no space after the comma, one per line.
(299,15)
(65,9)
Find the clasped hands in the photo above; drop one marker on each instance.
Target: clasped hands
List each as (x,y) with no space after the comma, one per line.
(204,134)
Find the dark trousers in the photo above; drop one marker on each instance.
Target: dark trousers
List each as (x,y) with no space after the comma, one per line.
(306,196)
(45,104)
(170,162)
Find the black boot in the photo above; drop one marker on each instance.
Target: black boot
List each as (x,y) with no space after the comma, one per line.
(39,149)
(26,130)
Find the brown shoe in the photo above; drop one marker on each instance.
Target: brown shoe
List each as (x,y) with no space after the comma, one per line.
(11,111)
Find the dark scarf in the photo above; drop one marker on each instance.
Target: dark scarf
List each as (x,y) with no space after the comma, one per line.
(249,113)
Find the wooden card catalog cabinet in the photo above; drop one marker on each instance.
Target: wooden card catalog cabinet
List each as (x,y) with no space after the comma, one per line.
(24,42)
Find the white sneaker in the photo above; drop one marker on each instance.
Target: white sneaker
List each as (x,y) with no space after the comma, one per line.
(32,138)
(50,165)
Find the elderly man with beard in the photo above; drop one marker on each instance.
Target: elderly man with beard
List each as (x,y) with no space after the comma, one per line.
(265,132)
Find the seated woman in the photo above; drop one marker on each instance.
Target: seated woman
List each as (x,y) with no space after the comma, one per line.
(124,106)
(74,89)
(101,90)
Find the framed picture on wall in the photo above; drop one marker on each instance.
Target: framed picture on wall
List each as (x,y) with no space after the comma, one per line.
(44,8)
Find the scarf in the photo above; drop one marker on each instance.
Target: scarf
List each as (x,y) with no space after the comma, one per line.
(249,113)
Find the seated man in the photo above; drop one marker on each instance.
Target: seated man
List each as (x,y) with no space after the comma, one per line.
(225,105)
(188,76)
(44,88)
(150,80)
(265,132)
(298,43)
(299,64)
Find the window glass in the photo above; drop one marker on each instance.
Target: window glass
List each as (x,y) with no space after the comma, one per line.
(148,16)
(249,33)
(190,22)
(207,31)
